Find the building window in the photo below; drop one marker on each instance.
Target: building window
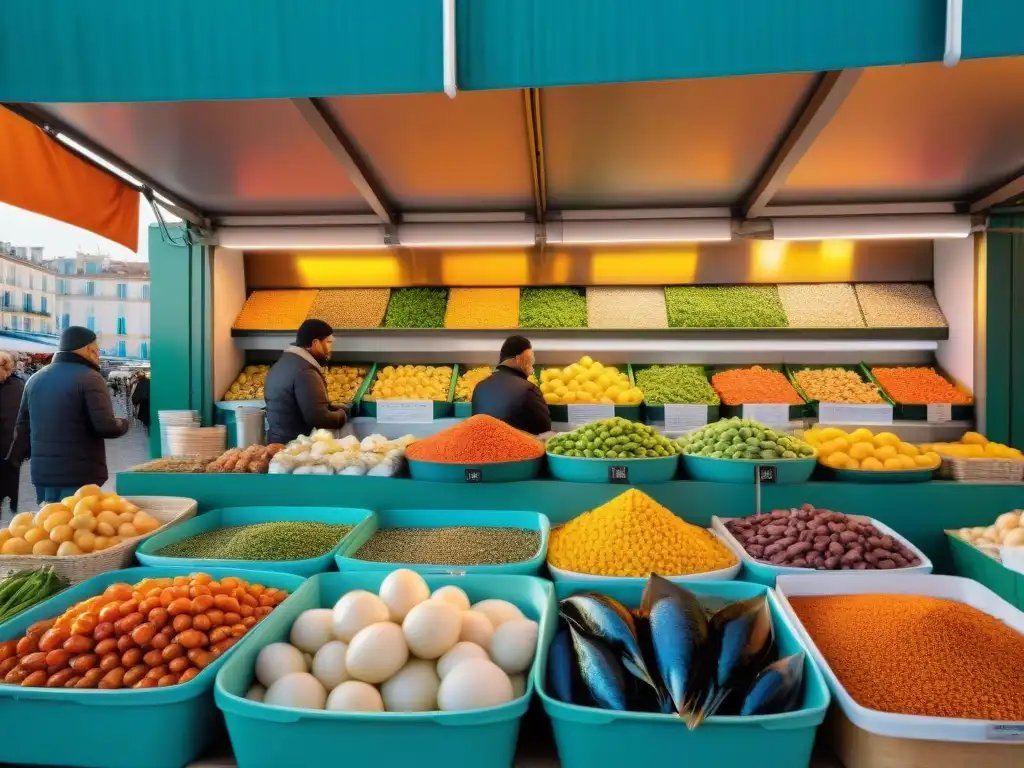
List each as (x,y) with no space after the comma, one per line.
(144,350)
(92,268)
(65,320)
(7,299)
(61,290)
(145,292)
(90,322)
(43,304)
(28,323)
(44,282)
(28,302)
(90,288)
(122,326)
(122,290)
(122,348)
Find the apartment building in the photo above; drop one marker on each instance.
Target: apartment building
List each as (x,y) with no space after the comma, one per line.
(28,291)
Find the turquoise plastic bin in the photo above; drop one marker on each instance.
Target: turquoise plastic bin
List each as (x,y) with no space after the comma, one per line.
(788,472)
(271,737)
(882,476)
(443,518)
(156,728)
(232,516)
(599,738)
(495,472)
(575,469)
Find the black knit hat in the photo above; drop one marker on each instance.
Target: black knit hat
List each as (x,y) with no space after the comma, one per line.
(513,347)
(312,330)
(75,337)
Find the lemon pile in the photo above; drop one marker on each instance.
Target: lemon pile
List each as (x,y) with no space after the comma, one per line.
(975,446)
(343,381)
(588,382)
(411,382)
(469,378)
(861,449)
(249,383)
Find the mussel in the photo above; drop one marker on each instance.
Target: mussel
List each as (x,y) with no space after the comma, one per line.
(777,688)
(561,667)
(601,671)
(743,638)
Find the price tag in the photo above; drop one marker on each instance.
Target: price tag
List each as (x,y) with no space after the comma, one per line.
(685,418)
(584,414)
(846,413)
(940,413)
(769,414)
(618,474)
(1004,732)
(474,476)
(766,473)
(405,411)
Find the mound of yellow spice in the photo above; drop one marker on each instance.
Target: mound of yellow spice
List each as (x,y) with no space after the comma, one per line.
(633,535)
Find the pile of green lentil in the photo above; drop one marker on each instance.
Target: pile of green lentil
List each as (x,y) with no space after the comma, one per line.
(675,384)
(456,545)
(552,308)
(725,306)
(416,308)
(261,541)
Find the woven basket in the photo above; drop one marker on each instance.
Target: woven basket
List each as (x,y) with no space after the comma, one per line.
(981,470)
(168,510)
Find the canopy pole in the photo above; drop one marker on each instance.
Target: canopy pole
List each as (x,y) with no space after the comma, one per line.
(954,32)
(535,137)
(451,86)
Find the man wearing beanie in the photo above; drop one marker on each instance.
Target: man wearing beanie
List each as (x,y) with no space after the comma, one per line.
(509,395)
(295,389)
(65,416)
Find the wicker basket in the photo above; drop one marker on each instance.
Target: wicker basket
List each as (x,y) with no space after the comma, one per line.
(981,470)
(168,510)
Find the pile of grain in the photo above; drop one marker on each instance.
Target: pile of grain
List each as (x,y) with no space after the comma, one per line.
(610,307)
(482,308)
(351,307)
(824,305)
(274,310)
(896,305)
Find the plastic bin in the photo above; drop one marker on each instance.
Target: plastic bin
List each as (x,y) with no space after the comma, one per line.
(560,411)
(972,563)
(787,472)
(598,738)
(883,477)
(232,516)
(918,411)
(156,728)
(812,405)
(493,472)
(765,573)
(438,518)
(656,413)
(796,412)
(576,469)
(442,408)
(271,737)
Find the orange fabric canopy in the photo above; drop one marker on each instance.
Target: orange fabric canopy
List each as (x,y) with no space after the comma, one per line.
(40,175)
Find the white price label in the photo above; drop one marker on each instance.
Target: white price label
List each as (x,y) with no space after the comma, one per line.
(584,414)
(405,411)
(847,413)
(1004,732)
(685,418)
(939,413)
(769,414)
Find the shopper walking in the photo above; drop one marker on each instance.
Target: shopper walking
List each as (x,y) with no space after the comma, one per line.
(509,395)
(11,389)
(65,416)
(296,391)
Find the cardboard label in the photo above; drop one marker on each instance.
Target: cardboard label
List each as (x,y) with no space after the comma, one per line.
(586,413)
(474,476)
(766,473)
(405,411)
(685,418)
(769,414)
(939,413)
(847,413)
(618,474)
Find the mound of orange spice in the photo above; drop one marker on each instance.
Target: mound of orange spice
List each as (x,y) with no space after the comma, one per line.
(159,632)
(916,655)
(754,385)
(918,386)
(479,439)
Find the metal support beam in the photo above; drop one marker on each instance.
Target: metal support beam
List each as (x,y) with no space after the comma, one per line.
(535,136)
(1005,194)
(319,117)
(828,95)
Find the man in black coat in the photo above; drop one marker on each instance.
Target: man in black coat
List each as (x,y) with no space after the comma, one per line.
(296,391)
(11,389)
(65,416)
(509,395)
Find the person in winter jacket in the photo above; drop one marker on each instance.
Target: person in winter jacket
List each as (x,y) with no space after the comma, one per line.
(65,416)
(507,394)
(296,391)
(11,388)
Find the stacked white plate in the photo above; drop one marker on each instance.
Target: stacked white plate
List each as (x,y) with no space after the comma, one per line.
(201,442)
(168,419)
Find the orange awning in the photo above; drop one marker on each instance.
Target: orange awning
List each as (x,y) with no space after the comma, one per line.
(40,175)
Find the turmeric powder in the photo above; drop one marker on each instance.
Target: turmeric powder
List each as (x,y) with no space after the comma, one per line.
(916,655)
(633,535)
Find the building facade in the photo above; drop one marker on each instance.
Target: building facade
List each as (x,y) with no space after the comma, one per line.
(28,289)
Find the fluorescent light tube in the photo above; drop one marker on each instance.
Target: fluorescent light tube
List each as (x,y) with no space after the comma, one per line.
(922,227)
(626,232)
(468,235)
(301,238)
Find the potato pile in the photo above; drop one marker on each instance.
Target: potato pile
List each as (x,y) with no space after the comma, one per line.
(249,384)
(837,385)
(343,381)
(1006,531)
(820,539)
(275,310)
(411,382)
(254,460)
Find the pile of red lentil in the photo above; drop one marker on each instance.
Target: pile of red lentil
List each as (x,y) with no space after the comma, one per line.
(916,655)
(479,439)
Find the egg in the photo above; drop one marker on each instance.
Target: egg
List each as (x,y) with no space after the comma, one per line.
(498,611)
(312,629)
(476,628)
(412,689)
(354,611)
(401,591)
(256,692)
(376,652)
(355,696)
(518,685)
(1014,538)
(452,595)
(474,684)
(432,628)
(514,644)
(277,660)
(329,664)
(459,653)
(299,690)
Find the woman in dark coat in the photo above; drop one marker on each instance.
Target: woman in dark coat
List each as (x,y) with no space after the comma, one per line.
(11,389)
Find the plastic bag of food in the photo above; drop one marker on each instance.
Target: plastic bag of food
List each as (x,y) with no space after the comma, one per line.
(354,469)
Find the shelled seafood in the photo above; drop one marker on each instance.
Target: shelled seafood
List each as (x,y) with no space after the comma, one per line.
(672,655)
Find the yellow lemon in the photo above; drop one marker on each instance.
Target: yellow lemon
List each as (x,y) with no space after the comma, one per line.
(871,464)
(561,391)
(907,461)
(556,383)
(861,450)
(886,438)
(586,361)
(993,449)
(550,397)
(852,463)
(837,460)
(892,464)
(974,452)
(569,397)
(861,435)
(935,458)
(831,433)
(885,452)
(906,449)
(921,461)
(974,438)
